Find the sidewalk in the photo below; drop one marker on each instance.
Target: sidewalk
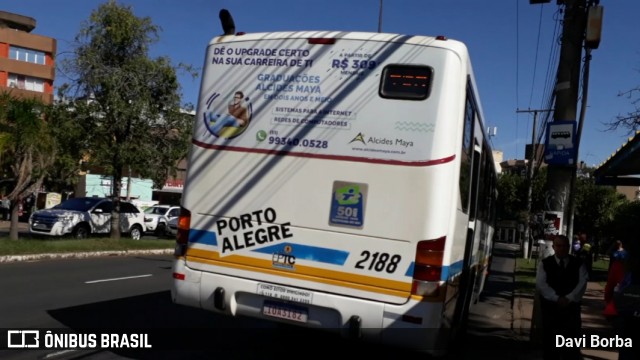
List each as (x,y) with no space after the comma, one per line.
(23,228)
(593,322)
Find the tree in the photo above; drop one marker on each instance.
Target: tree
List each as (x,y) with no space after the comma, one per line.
(538,184)
(512,190)
(71,147)
(511,197)
(630,120)
(626,222)
(27,147)
(128,103)
(596,207)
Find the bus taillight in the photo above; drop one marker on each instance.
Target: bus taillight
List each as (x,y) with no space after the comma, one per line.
(179,276)
(427,268)
(182,237)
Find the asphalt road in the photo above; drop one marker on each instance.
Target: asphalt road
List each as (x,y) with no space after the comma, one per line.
(132,294)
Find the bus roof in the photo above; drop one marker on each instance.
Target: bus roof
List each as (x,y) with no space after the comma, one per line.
(434,41)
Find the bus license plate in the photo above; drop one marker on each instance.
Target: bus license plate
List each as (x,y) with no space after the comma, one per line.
(285,311)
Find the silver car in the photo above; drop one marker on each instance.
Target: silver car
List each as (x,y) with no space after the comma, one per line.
(84,216)
(172,228)
(157,217)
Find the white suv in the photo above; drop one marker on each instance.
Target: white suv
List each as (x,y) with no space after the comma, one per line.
(157,217)
(82,217)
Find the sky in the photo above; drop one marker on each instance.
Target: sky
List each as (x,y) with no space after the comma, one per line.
(514,49)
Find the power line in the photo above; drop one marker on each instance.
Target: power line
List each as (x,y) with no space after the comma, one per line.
(553,59)
(517,71)
(549,92)
(535,62)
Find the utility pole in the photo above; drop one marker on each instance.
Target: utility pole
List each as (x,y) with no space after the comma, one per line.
(583,109)
(566,103)
(592,41)
(532,159)
(566,95)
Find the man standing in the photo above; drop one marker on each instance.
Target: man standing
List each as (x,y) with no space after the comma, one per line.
(561,280)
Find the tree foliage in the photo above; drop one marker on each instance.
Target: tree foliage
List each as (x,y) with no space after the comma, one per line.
(71,148)
(27,147)
(596,207)
(630,120)
(625,224)
(511,200)
(127,102)
(513,192)
(597,212)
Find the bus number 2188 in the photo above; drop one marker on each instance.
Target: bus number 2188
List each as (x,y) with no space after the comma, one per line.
(378,261)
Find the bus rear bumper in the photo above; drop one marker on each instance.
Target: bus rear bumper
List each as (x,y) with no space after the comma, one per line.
(413,325)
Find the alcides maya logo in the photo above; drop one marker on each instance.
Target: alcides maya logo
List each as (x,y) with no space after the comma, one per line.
(359,138)
(227,117)
(381,141)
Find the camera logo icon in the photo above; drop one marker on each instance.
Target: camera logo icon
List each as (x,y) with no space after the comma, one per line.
(20,339)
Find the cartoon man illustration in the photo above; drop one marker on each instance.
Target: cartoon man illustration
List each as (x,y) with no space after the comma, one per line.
(237,116)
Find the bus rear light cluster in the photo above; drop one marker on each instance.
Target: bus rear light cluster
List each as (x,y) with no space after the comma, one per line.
(179,276)
(427,270)
(182,238)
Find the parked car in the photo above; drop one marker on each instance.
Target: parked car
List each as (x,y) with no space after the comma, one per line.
(172,227)
(84,216)
(157,217)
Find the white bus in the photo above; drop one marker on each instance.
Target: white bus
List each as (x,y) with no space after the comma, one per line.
(338,180)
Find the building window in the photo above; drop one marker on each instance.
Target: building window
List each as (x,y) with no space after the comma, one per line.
(25,83)
(27,55)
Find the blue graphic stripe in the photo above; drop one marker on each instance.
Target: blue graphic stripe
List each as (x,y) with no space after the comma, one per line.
(311,253)
(447,271)
(453,269)
(409,272)
(203,237)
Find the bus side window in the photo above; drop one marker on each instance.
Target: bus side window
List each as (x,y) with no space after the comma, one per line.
(475,178)
(467,148)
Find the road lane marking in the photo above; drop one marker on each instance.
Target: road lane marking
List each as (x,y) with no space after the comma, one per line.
(59,353)
(117,279)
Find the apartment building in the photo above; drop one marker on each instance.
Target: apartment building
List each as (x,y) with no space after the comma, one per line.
(27,64)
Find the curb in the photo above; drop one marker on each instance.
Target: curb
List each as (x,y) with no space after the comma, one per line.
(82,255)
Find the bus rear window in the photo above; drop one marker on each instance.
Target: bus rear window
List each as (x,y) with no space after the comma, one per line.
(410,82)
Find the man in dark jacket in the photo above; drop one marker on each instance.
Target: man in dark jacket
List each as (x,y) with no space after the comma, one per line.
(561,281)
